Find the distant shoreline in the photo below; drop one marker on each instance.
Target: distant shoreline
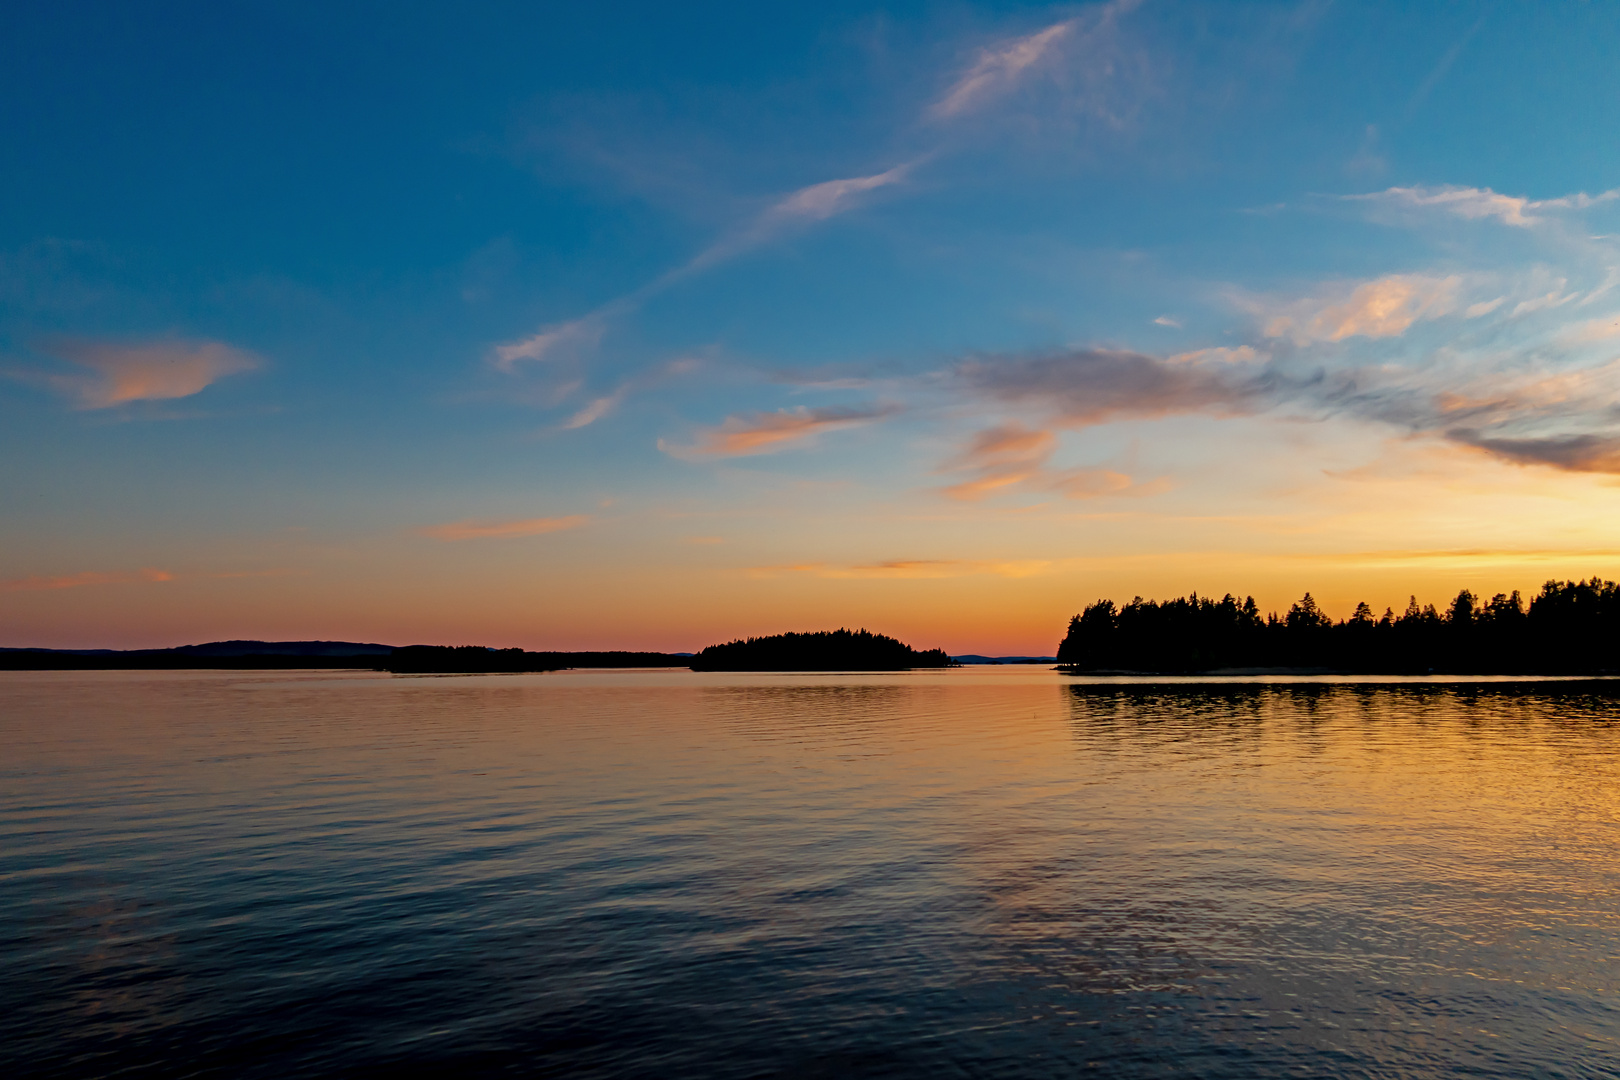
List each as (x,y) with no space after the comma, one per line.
(362,656)
(850,652)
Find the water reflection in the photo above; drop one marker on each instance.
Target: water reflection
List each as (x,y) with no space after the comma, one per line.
(662,874)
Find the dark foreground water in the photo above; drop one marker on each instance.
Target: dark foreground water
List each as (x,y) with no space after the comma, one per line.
(977,873)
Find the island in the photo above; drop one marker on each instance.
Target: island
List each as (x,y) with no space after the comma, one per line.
(824,650)
(1570,627)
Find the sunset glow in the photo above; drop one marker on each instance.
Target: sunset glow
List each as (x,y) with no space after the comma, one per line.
(600,332)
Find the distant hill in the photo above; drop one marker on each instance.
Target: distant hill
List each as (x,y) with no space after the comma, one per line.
(826,650)
(415,659)
(211,654)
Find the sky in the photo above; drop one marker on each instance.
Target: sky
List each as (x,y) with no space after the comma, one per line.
(648,326)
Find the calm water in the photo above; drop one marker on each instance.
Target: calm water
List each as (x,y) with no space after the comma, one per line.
(975,873)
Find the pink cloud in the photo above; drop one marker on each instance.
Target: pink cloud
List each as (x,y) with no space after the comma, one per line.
(160,371)
(1385,307)
(1008,444)
(1011,457)
(797,209)
(998,69)
(88,577)
(764,433)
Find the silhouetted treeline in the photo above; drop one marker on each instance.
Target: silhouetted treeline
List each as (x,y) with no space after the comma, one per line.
(414,659)
(167,660)
(825,650)
(463,659)
(212,654)
(1570,627)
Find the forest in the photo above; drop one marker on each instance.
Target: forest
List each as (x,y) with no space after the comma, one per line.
(825,650)
(1570,627)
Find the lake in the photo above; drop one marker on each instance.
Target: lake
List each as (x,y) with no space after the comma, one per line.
(982,872)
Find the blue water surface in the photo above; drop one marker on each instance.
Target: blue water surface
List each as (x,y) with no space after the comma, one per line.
(971,873)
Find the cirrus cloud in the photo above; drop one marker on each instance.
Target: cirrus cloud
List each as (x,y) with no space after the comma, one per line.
(1477,204)
(1011,457)
(1083,50)
(802,207)
(1082,387)
(1571,453)
(120,373)
(1085,58)
(997,69)
(763,433)
(75,581)
(548,341)
(1384,307)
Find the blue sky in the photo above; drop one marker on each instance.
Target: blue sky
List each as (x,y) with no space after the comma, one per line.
(638,325)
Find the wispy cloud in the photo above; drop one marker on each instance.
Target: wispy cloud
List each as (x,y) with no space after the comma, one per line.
(1091,483)
(547,342)
(1438,72)
(1480,203)
(1002,457)
(501,530)
(1221,354)
(991,483)
(1082,387)
(1546,395)
(594,411)
(1007,444)
(807,205)
(1011,457)
(997,69)
(764,433)
(1463,202)
(1572,453)
(605,404)
(818,202)
(1085,58)
(1543,402)
(120,373)
(1500,397)
(1522,413)
(1385,307)
(88,577)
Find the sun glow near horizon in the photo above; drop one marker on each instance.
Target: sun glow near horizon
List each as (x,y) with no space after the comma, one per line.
(946,337)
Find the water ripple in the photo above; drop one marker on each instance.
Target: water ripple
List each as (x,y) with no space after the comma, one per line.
(1003,873)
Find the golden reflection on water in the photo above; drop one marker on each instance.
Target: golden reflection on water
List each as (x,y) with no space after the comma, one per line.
(1004,870)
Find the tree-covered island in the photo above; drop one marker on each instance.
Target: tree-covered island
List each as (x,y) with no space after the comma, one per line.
(826,650)
(1570,627)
